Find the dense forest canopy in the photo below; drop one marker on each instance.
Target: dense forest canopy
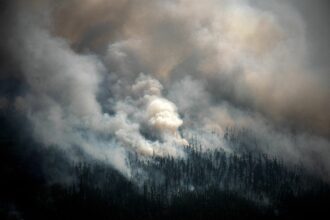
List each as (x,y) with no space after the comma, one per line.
(204,184)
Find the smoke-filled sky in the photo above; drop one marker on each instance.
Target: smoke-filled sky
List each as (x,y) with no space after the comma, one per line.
(109,77)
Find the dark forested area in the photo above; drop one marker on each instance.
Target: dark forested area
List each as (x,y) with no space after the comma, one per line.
(205,184)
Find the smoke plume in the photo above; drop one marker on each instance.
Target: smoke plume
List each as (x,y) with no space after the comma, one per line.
(110,77)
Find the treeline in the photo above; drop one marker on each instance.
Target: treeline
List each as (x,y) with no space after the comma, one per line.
(254,176)
(205,184)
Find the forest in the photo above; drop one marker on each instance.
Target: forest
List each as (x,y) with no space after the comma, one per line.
(205,184)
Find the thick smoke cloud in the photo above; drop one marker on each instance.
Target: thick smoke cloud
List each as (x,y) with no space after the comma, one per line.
(253,53)
(109,77)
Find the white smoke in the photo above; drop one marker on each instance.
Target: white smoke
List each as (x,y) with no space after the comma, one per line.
(62,105)
(108,77)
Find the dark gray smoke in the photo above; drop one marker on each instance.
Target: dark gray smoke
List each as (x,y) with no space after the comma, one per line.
(112,77)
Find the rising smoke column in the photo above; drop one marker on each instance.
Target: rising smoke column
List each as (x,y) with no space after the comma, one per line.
(61,102)
(206,66)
